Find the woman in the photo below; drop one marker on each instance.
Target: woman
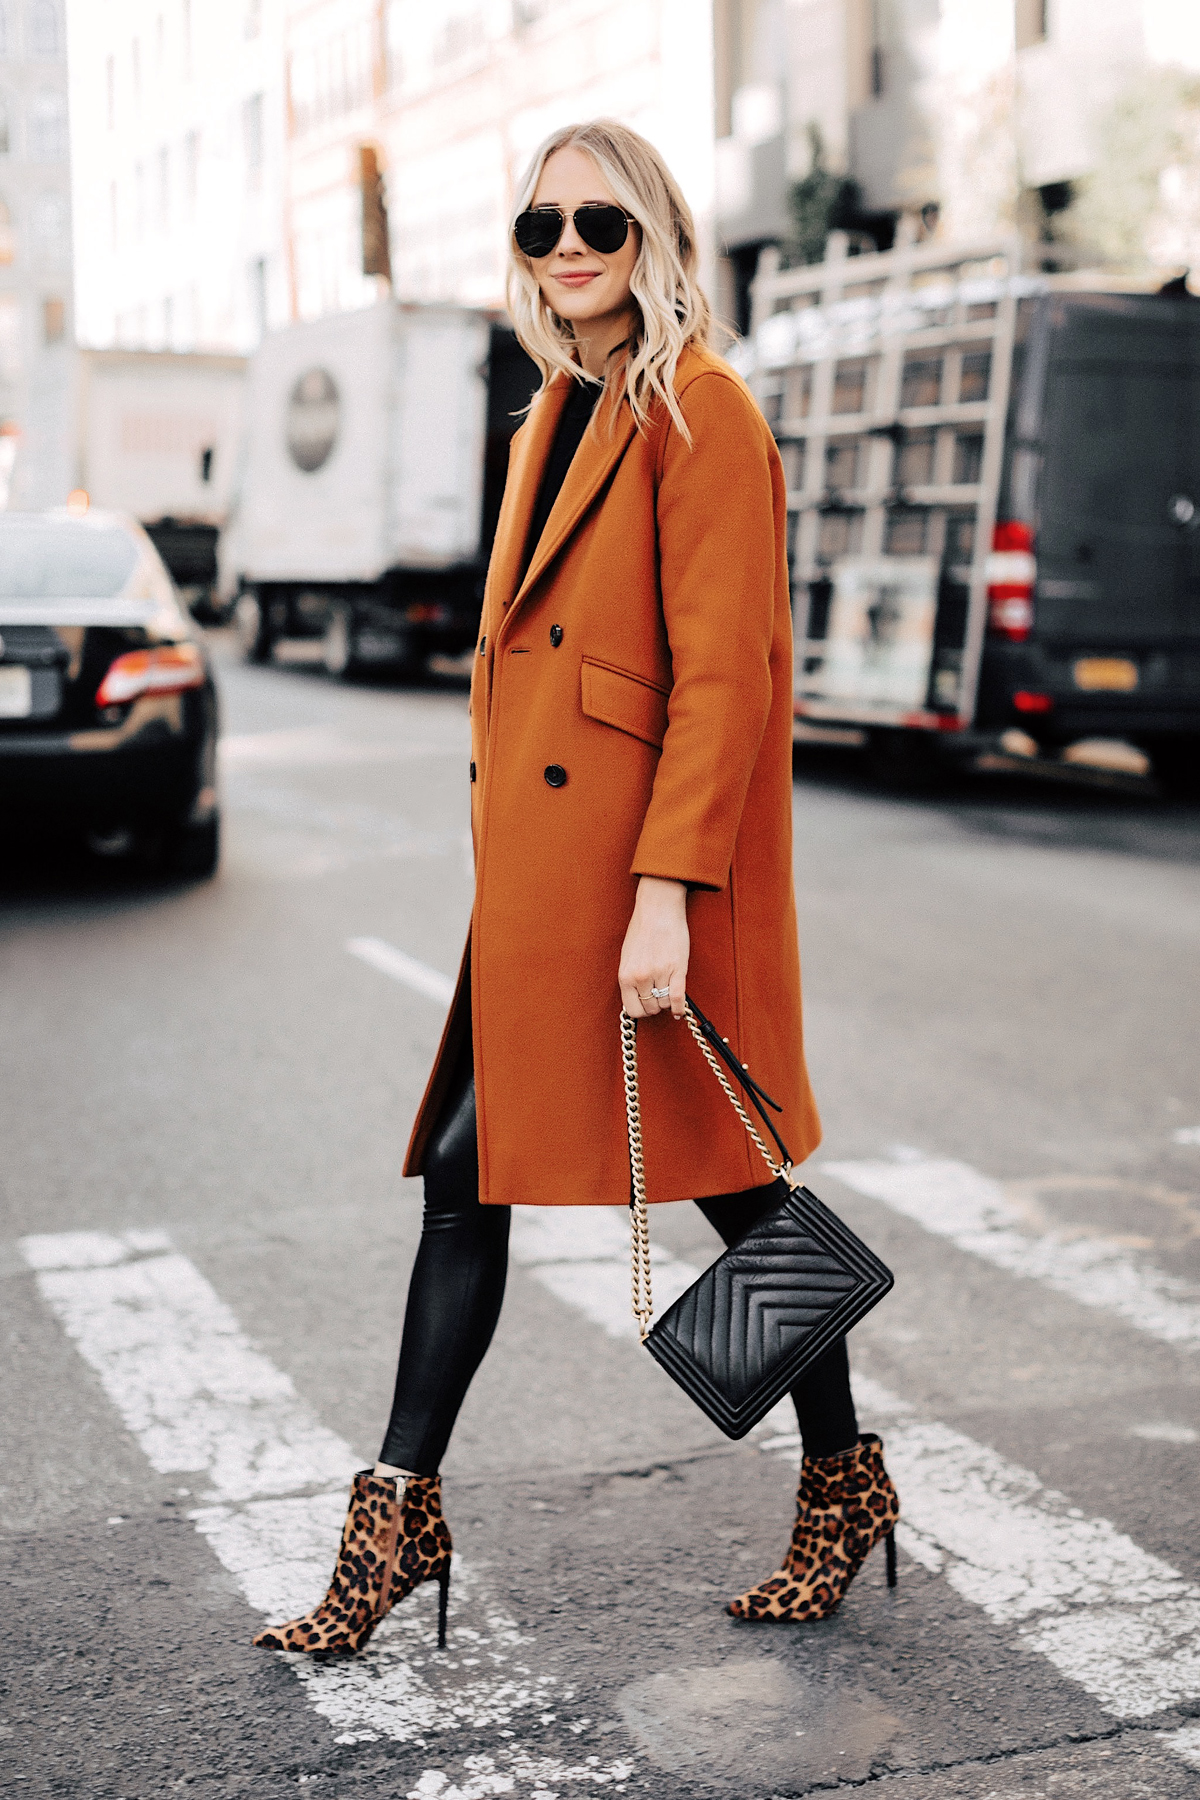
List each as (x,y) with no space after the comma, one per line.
(631,716)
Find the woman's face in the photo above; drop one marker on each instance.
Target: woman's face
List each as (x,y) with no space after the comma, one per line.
(578,283)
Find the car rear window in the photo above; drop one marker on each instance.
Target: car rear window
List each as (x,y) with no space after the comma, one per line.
(67,560)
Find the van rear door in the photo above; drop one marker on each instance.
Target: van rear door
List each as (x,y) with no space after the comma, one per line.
(1119,497)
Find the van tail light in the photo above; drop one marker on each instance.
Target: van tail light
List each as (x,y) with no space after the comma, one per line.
(167,669)
(1011,574)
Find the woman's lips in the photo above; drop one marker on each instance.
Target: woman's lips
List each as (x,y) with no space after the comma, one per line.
(580,280)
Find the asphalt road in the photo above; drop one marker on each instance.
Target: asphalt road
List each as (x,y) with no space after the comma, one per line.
(206,1243)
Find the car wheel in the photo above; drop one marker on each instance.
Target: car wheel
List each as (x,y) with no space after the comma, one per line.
(337,645)
(193,851)
(904,761)
(1176,764)
(252,627)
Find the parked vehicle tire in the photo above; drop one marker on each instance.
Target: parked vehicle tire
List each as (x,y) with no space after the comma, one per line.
(905,761)
(193,851)
(1176,764)
(338,648)
(252,625)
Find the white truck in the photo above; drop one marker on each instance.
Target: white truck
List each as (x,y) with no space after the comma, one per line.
(157,438)
(370,477)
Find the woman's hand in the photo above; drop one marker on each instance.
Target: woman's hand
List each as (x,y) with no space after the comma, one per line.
(656,948)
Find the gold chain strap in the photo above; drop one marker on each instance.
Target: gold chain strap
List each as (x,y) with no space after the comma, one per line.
(643,1305)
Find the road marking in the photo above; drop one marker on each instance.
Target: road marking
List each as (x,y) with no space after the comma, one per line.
(1164,1433)
(390,961)
(581,1253)
(204,1403)
(318,746)
(1185,1743)
(972,1211)
(1107,1614)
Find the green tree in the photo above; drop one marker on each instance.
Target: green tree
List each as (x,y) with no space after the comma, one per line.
(820,203)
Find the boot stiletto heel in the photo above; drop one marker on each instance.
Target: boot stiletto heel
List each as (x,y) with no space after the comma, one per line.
(443,1603)
(846,1503)
(391,1543)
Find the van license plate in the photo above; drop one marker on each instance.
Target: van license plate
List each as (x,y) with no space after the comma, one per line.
(16,693)
(1106,674)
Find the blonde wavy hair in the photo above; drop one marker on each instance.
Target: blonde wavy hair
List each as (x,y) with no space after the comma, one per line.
(673,309)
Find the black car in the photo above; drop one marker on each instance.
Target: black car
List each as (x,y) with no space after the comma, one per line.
(108,711)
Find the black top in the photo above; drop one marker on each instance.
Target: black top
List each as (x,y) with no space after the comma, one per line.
(573,422)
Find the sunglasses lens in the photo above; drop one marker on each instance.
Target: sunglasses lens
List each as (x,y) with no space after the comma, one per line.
(602,228)
(538,232)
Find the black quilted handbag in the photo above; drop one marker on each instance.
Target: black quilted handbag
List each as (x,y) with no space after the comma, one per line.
(741,1336)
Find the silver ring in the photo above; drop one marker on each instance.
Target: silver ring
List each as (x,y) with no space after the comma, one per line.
(661,993)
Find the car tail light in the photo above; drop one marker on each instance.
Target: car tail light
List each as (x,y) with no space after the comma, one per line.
(167,669)
(1026,702)
(1011,574)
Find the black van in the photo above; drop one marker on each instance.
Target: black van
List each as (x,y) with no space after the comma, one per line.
(994,496)
(1102,469)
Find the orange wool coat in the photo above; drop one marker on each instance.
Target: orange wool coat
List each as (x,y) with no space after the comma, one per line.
(646,656)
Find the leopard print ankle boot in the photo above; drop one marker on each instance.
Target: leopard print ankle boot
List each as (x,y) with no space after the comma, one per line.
(845,1504)
(389,1547)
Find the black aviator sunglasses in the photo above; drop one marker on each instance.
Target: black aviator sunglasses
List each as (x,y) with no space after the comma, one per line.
(602,228)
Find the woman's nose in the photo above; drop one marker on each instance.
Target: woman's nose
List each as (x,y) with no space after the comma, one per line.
(570,243)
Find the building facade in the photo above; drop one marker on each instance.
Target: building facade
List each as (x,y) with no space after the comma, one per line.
(35,256)
(179,131)
(230,153)
(1076,122)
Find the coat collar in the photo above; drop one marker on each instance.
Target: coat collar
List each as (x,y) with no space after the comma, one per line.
(598,454)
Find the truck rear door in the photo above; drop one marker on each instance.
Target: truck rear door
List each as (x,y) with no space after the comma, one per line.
(438,430)
(1119,496)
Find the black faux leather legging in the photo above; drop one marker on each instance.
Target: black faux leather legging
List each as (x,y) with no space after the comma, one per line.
(457,1289)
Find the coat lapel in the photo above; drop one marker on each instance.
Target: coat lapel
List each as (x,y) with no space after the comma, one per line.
(529,455)
(601,449)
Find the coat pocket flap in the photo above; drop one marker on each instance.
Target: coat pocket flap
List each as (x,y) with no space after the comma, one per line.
(615,697)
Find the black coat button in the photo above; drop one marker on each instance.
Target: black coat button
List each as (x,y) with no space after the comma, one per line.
(556,635)
(482,645)
(472,771)
(556,775)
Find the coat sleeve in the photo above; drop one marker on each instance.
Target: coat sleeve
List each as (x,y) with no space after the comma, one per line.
(716,529)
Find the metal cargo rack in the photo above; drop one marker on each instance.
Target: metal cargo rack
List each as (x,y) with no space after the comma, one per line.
(885,379)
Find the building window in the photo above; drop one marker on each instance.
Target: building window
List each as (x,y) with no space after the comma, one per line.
(49,219)
(5,134)
(877,72)
(8,237)
(258,296)
(139,199)
(162,193)
(191,172)
(48,128)
(160,42)
(252,139)
(10,337)
(110,91)
(186,37)
(43,28)
(54,321)
(112,214)
(135,60)
(1032,22)
(3,29)
(253,22)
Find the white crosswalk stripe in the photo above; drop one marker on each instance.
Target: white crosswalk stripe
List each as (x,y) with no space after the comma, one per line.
(972,1211)
(1120,1622)
(204,1404)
